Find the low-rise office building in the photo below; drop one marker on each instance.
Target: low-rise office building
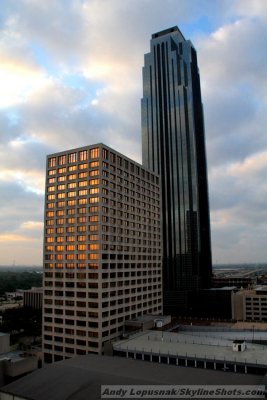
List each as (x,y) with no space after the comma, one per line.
(33,298)
(250,305)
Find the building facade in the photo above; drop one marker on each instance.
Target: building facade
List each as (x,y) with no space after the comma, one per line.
(250,305)
(173,146)
(102,249)
(33,298)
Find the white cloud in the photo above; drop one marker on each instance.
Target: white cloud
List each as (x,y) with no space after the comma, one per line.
(71,76)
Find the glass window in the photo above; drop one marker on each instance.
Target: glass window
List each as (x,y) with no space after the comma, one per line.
(93,228)
(82,166)
(105,154)
(112,157)
(72,157)
(82,183)
(52,162)
(71,177)
(70,247)
(93,209)
(82,192)
(62,160)
(94,200)
(83,155)
(82,175)
(93,218)
(82,201)
(94,182)
(59,248)
(93,247)
(93,237)
(94,153)
(94,190)
(94,172)
(60,187)
(93,164)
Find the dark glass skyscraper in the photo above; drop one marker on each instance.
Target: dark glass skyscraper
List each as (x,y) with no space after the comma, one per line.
(173,145)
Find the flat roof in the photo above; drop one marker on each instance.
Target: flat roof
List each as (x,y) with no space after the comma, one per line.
(81,377)
(167,31)
(202,345)
(15,356)
(149,317)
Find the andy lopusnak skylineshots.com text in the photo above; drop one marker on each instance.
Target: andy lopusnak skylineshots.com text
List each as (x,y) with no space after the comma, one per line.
(182,392)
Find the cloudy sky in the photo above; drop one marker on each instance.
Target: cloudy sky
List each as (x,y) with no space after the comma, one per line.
(70,73)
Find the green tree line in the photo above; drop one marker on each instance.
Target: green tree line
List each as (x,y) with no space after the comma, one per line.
(10,281)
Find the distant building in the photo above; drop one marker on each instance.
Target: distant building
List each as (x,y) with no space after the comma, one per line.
(4,342)
(238,281)
(173,146)
(33,298)
(14,364)
(250,305)
(102,249)
(17,295)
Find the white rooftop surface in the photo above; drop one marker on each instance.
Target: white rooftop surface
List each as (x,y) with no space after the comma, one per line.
(188,344)
(228,335)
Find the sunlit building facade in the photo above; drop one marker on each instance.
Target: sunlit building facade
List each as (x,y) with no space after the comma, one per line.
(102,249)
(173,145)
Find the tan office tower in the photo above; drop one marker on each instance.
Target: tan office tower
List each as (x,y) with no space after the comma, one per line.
(102,253)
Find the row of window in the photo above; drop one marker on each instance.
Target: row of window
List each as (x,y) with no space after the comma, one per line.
(137,228)
(61,291)
(71,176)
(72,185)
(73,157)
(95,237)
(93,153)
(59,286)
(95,256)
(72,247)
(64,171)
(72,238)
(145,266)
(106,219)
(111,202)
(94,315)
(145,203)
(141,268)
(135,214)
(72,211)
(91,247)
(147,240)
(96,305)
(94,295)
(135,183)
